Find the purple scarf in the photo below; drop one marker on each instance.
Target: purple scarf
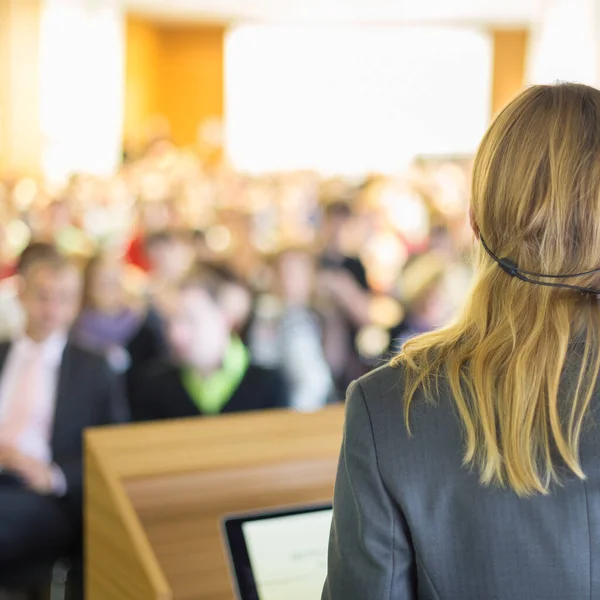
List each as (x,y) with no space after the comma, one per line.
(100,332)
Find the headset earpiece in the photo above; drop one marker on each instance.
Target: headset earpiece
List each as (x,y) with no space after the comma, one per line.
(509,267)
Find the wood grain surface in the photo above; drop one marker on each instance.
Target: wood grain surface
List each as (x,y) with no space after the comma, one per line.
(175,481)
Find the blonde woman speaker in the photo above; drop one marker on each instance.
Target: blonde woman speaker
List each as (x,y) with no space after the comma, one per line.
(470,466)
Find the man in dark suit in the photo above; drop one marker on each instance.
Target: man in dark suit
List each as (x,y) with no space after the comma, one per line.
(50,391)
(212,371)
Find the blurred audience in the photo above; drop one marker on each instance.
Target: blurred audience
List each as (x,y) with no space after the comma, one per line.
(212,372)
(113,323)
(151,218)
(423,294)
(12,317)
(206,292)
(300,336)
(357,277)
(169,255)
(50,391)
(345,296)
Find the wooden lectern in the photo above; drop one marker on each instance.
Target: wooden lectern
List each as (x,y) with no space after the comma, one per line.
(156,494)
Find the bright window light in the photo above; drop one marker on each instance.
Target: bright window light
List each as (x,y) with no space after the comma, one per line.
(353,99)
(562,43)
(81,87)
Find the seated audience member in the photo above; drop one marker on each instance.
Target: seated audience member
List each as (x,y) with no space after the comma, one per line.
(212,372)
(12,319)
(300,339)
(59,227)
(337,218)
(151,218)
(236,300)
(345,298)
(112,324)
(50,391)
(170,256)
(426,305)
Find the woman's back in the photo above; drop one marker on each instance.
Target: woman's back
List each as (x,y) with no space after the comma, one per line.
(412,522)
(469,467)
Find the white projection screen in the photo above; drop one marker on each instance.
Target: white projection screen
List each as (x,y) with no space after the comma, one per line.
(349,99)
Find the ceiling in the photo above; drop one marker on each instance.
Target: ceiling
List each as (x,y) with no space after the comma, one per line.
(497,12)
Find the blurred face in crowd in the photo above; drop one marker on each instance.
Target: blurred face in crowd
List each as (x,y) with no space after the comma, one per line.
(198,331)
(51,299)
(334,227)
(236,303)
(170,259)
(59,216)
(105,292)
(154,216)
(296,276)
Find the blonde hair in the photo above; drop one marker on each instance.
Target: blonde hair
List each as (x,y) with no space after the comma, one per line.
(536,201)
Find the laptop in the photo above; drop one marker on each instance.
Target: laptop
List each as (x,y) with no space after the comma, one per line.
(280,554)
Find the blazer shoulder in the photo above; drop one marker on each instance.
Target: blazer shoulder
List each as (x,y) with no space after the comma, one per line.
(387,380)
(431,422)
(382,391)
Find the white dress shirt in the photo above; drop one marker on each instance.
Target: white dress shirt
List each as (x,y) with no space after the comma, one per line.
(34,437)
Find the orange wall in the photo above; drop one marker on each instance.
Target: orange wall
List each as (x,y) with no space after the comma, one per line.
(191,78)
(174,71)
(510,49)
(143,55)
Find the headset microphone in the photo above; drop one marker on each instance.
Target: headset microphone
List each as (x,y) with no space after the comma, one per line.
(509,267)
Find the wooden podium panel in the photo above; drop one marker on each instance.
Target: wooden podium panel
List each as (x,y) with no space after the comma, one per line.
(157,493)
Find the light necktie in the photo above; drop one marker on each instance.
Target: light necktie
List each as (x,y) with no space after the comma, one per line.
(22,427)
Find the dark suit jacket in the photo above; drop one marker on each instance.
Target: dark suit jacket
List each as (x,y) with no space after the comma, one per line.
(87,395)
(411,522)
(148,344)
(159,394)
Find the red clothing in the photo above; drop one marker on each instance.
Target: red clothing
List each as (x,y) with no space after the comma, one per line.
(136,253)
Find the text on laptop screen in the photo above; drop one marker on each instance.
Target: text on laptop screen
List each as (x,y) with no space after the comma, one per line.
(289,555)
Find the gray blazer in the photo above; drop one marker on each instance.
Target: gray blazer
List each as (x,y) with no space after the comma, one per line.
(411,522)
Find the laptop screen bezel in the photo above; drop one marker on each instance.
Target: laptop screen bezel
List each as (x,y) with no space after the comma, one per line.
(237,550)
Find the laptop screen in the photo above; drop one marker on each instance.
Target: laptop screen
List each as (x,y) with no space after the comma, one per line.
(281,555)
